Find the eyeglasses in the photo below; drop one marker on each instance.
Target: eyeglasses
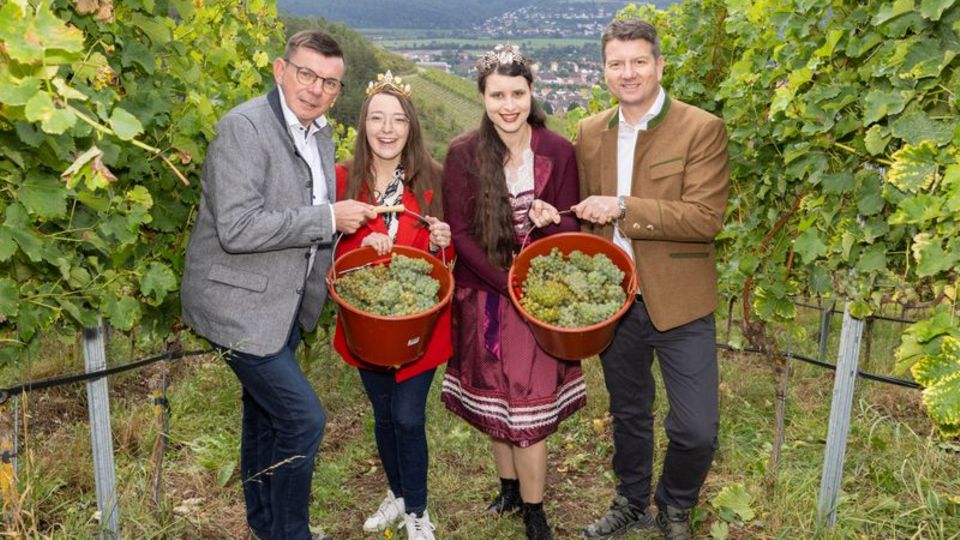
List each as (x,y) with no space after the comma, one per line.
(307,77)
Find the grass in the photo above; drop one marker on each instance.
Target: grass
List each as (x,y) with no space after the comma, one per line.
(899,480)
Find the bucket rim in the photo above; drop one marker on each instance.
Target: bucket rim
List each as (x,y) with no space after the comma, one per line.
(402,250)
(630,291)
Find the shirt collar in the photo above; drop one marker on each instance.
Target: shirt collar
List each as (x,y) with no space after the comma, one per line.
(649,115)
(293,123)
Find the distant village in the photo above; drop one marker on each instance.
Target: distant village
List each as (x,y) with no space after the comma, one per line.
(565,73)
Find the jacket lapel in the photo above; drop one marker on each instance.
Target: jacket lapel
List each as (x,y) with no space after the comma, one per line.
(329,168)
(542,167)
(608,155)
(325,142)
(542,164)
(273,98)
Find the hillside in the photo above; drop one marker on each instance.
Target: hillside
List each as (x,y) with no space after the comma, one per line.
(434,14)
(448,105)
(414,14)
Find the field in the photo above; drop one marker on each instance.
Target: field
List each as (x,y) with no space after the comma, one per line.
(900,481)
(413,39)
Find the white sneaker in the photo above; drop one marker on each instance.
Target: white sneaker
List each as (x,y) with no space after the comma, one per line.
(419,528)
(391,511)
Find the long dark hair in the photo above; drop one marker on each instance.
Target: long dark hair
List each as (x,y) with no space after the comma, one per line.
(421,172)
(493,217)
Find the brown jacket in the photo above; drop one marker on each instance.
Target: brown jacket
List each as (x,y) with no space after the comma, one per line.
(676,207)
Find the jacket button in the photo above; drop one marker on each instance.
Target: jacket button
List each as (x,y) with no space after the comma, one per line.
(649,227)
(299,290)
(636,226)
(309,184)
(306,255)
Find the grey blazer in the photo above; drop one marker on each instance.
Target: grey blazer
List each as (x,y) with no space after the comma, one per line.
(245,276)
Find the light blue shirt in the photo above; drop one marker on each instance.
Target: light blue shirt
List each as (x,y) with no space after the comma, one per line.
(626,146)
(303,139)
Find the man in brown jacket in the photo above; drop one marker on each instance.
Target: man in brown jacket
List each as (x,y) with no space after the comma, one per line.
(654,174)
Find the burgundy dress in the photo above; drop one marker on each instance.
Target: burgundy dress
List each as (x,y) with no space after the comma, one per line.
(499,380)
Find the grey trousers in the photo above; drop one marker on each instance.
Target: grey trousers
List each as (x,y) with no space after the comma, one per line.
(688,362)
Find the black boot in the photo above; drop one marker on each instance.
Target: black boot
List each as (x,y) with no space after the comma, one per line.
(508,500)
(674,523)
(536,522)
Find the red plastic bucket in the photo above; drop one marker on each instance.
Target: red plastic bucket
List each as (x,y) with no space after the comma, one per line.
(387,341)
(585,341)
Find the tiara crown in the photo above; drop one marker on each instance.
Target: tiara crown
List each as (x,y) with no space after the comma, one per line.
(386,81)
(502,54)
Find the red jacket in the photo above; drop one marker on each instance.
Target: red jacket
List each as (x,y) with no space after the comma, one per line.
(409,233)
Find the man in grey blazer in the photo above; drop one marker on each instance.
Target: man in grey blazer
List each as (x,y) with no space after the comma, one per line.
(255,267)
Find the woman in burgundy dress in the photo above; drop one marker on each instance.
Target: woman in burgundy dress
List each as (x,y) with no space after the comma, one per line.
(502,186)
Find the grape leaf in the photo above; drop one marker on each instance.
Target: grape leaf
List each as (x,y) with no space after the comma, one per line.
(124,124)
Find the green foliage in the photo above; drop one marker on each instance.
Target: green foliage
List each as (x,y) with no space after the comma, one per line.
(930,351)
(573,291)
(844,125)
(734,503)
(403,286)
(107,109)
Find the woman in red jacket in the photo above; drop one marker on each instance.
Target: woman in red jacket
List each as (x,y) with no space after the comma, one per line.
(391,166)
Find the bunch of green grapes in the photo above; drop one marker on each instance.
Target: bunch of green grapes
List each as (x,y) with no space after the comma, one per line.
(577,291)
(402,287)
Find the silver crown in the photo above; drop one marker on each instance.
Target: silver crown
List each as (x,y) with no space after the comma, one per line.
(502,54)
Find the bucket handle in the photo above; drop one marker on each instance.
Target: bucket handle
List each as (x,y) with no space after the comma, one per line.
(331,281)
(333,264)
(380,209)
(526,237)
(443,251)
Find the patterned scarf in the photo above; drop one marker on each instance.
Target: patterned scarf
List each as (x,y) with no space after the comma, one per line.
(393,195)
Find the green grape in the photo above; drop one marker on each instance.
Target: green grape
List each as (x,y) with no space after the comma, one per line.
(402,287)
(580,290)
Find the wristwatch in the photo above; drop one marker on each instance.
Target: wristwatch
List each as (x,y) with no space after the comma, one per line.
(622,205)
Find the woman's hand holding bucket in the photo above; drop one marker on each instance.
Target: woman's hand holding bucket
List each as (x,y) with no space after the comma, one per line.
(543,213)
(380,243)
(439,233)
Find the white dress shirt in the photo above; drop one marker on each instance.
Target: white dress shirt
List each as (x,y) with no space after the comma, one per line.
(626,145)
(303,139)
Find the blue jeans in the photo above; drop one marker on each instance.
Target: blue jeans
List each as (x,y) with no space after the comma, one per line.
(399,411)
(283,422)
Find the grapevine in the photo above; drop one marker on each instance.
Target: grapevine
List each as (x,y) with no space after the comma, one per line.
(844,129)
(402,287)
(577,291)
